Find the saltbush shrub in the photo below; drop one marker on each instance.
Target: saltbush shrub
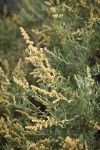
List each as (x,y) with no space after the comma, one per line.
(55,103)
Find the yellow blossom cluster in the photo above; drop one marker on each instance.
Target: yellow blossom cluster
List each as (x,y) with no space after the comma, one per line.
(94,17)
(6,128)
(83,3)
(70,143)
(4,83)
(53,9)
(3,79)
(25,36)
(64,5)
(53,94)
(40,124)
(54,12)
(43,71)
(55,16)
(47,3)
(22,82)
(18,72)
(37,146)
(40,144)
(74,144)
(77,32)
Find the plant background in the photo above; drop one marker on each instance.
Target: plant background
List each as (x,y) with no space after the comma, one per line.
(50,89)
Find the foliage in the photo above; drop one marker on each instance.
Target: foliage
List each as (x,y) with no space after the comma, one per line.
(51,101)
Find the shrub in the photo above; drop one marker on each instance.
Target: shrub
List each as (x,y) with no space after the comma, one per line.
(63,82)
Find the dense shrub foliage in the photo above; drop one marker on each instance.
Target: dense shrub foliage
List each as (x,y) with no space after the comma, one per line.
(50,93)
